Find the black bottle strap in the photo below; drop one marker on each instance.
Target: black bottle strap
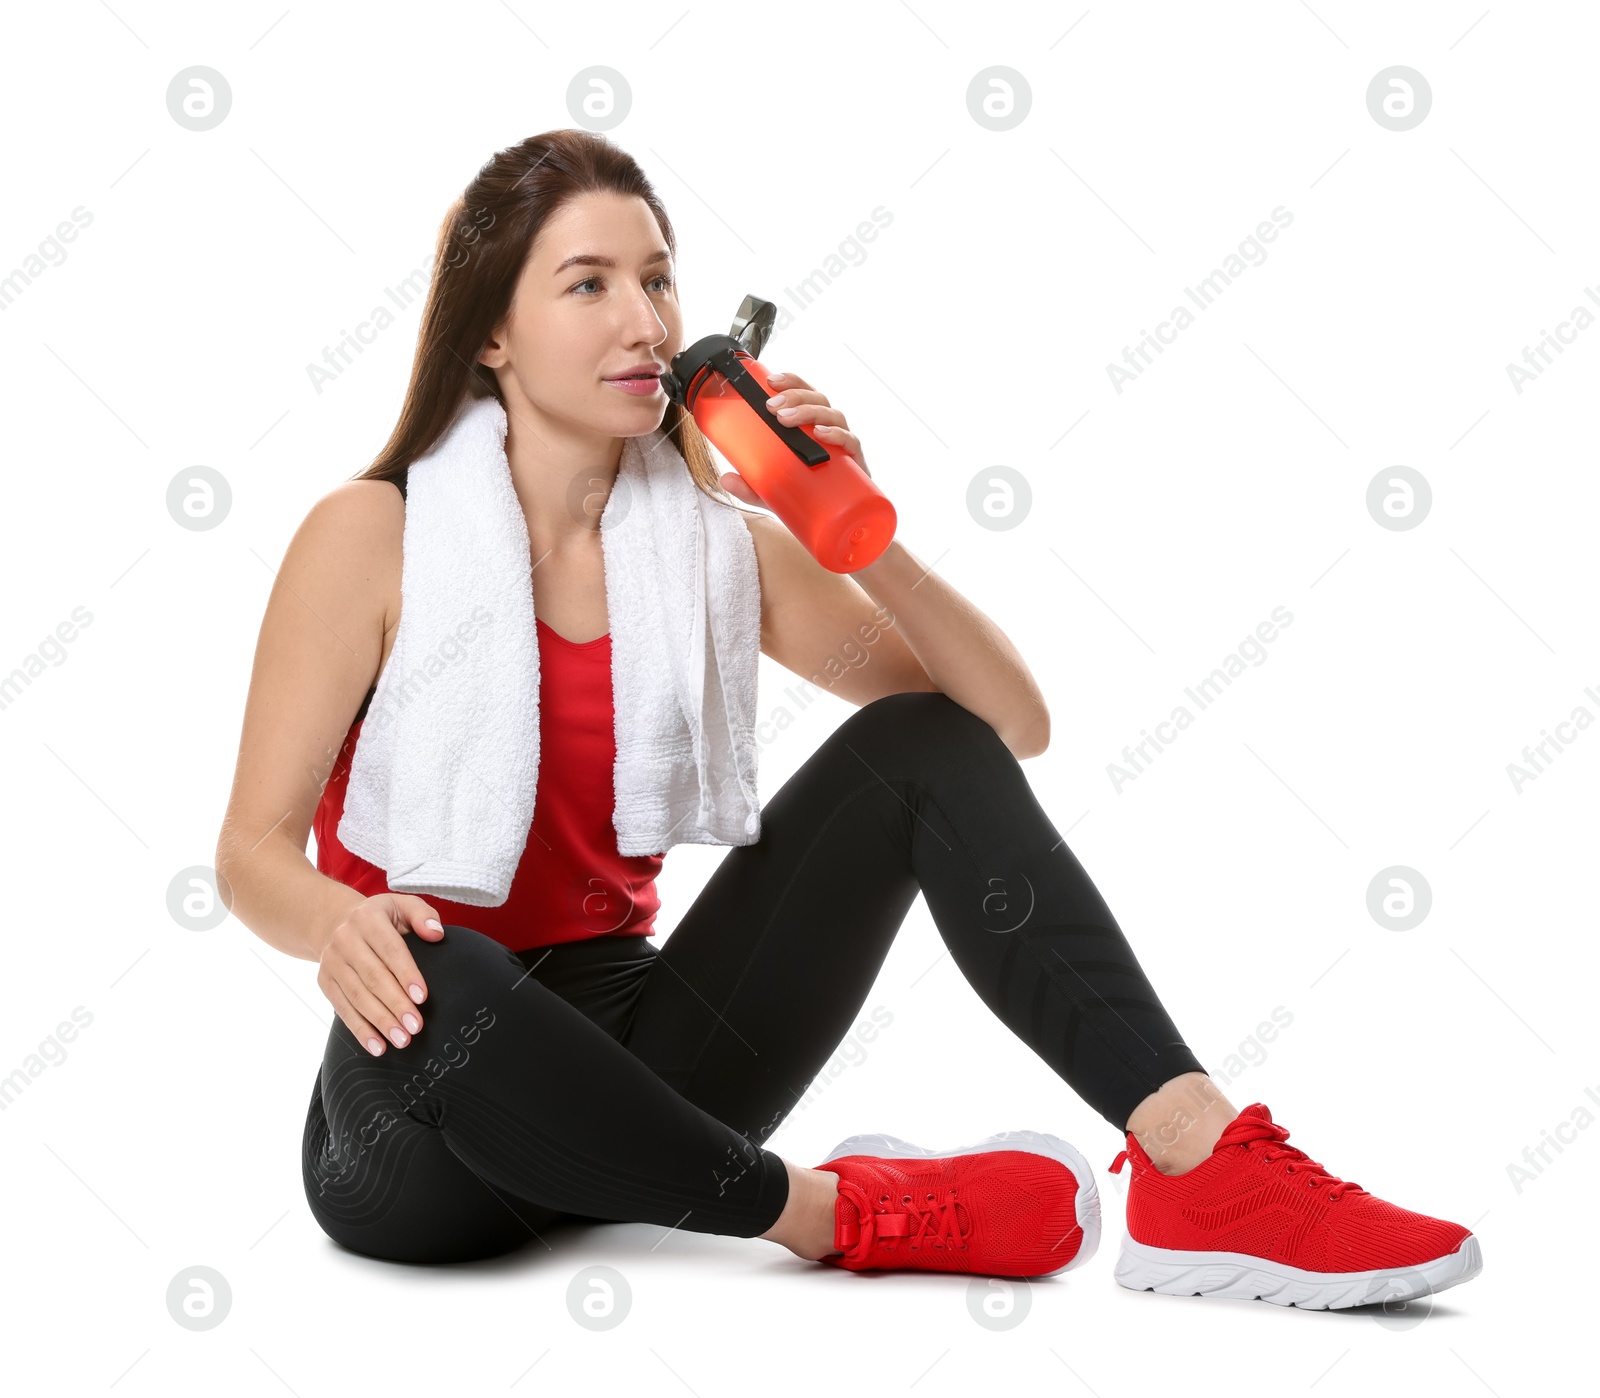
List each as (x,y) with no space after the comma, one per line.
(744,384)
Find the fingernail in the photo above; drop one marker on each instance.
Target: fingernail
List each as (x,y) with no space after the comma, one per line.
(433,922)
(415,992)
(776,398)
(411,1023)
(773,378)
(399,1036)
(374,1045)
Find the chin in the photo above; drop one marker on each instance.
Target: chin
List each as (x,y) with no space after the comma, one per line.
(636,419)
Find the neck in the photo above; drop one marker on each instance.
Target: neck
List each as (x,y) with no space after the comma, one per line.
(562,475)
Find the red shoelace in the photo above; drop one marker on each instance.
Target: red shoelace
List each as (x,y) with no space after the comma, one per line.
(1247,1128)
(931,1218)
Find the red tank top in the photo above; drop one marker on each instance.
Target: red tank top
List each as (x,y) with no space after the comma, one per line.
(571,883)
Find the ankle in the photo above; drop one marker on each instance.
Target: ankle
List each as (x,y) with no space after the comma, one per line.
(806,1225)
(1179,1125)
(1171,1162)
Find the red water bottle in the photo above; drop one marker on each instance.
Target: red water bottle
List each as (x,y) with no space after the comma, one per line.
(829,503)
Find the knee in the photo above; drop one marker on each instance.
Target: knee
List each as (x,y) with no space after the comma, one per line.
(920,708)
(462,965)
(928,720)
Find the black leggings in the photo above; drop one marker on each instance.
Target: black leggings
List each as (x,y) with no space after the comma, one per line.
(609,1080)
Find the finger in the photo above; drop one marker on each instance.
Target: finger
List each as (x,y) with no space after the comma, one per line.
(830,428)
(793,414)
(788,380)
(385,1003)
(397,957)
(400,1017)
(365,1034)
(843,442)
(748,495)
(793,398)
(737,486)
(416,916)
(371,1008)
(413,915)
(847,442)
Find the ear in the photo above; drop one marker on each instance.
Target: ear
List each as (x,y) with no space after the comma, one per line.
(493,354)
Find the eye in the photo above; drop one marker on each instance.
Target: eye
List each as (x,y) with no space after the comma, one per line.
(664,277)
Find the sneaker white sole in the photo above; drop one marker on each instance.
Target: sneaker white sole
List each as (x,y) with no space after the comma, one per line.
(1086,1204)
(1241,1277)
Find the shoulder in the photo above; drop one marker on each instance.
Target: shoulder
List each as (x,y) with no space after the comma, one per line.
(357,514)
(767,534)
(350,543)
(796,591)
(781,559)
(772,537)
(789,574)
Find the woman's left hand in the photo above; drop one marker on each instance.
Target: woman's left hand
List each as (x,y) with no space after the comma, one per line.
(795,403)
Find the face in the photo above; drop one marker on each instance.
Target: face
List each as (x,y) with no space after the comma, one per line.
(596,299)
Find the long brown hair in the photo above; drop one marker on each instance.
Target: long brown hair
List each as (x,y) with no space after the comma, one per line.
(482,246)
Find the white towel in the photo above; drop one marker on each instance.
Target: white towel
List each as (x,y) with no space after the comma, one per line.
(444,775)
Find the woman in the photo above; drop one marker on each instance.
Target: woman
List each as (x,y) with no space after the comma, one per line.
(493,1069)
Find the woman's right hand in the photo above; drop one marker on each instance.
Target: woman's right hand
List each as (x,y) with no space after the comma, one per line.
(367,972)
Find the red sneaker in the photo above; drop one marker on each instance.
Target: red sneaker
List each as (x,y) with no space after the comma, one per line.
(1259,1219)
(1019,1204)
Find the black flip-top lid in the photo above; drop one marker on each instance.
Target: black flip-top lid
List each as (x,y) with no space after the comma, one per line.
(750,331)
(748,336)
(687,364)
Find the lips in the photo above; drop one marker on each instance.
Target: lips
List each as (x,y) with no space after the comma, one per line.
(638,383)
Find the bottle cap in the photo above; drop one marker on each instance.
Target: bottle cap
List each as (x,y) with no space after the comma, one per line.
(725,353)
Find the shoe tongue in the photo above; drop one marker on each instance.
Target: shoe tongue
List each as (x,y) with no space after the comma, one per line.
(1256,1112)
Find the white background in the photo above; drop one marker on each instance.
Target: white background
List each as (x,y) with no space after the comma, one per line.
(1168,522)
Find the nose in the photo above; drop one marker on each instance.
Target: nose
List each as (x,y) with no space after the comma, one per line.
(642,323)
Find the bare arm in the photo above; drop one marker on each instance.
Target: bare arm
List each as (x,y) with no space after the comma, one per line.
(318,651)
(822,626)
(941,641)
(967,655)
(889,628)
(321,645)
